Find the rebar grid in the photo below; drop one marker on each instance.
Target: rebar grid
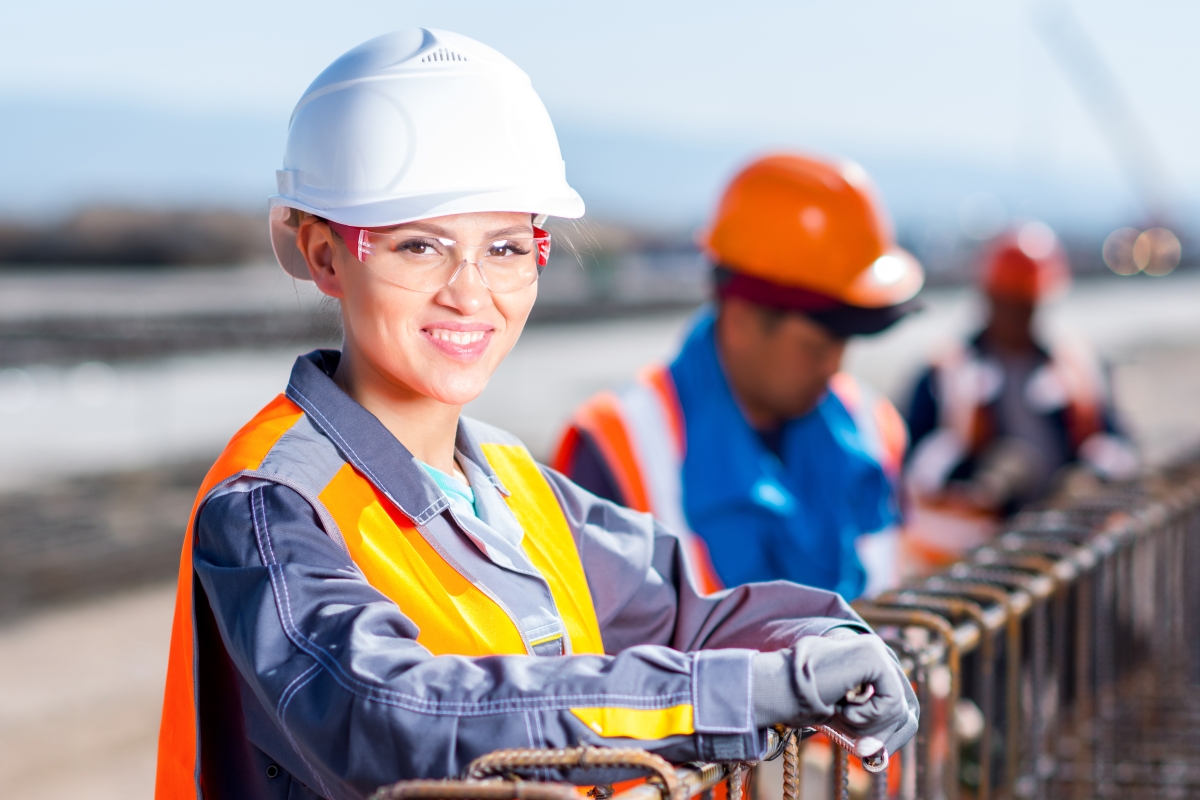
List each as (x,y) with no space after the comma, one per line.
(1074,637)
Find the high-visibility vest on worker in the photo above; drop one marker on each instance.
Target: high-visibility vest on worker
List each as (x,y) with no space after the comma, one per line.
(305,641)
(955,415)
(675,443)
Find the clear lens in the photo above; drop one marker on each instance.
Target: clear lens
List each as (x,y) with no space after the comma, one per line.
(427,263)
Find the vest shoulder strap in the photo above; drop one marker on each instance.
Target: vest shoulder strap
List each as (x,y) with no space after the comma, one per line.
(548,539)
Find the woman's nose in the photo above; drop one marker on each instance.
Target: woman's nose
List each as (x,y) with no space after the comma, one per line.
(467,290)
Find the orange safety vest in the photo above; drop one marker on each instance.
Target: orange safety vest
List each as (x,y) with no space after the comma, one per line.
(640,432)
(1071,380)
(453,615)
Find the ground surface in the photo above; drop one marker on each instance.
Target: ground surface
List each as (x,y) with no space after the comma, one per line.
(82,688)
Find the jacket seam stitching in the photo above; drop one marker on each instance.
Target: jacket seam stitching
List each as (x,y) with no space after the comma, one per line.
(529,729)
(294,689)
(700,726)
(258,515)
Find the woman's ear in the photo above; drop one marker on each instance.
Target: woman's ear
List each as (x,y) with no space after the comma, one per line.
(316,242)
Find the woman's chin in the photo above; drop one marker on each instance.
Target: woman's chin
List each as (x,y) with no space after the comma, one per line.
(456,392)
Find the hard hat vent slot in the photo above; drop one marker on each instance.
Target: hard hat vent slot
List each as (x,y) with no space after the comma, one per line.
(443,54)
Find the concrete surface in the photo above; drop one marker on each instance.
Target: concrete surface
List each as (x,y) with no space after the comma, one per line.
(80,692)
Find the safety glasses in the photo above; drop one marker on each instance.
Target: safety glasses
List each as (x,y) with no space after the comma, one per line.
(425,263)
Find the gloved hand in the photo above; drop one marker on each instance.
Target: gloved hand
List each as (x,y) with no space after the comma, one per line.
(822,670)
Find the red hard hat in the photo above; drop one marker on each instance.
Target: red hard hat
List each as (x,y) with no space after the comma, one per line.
(1026,263)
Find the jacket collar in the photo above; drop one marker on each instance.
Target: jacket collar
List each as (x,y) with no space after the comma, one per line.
(364,442)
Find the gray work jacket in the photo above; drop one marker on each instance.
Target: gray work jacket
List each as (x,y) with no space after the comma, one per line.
(310,682)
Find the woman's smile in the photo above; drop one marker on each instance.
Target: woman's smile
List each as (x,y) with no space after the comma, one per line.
(462,341)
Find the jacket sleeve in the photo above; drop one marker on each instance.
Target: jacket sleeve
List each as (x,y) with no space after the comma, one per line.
(644,592)
(360,703)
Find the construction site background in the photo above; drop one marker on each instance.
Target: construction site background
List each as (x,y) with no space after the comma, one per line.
(143,319)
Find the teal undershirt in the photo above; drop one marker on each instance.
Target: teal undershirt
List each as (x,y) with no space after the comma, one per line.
(454,489)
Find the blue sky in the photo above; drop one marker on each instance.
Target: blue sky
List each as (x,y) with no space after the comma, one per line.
(934,82)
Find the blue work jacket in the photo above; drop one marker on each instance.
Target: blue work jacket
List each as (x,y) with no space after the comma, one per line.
(793,516)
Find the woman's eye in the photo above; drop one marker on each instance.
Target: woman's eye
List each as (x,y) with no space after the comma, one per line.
(416,247)
(506,249)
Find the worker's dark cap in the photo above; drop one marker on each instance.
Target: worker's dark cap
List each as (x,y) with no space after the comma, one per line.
(840,319)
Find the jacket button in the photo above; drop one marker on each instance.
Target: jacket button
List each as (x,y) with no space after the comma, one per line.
(272,771)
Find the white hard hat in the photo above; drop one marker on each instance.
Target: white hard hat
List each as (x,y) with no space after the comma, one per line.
(417,124)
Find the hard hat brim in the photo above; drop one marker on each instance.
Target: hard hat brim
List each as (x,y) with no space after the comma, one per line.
(565,203)
(846,321)
(840,318)
(893,278)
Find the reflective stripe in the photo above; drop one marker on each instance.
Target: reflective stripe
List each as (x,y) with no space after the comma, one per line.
(963,387)
(893,436)
(651,432)
(638,723)
(549,543)
(1076,365)
(659,379)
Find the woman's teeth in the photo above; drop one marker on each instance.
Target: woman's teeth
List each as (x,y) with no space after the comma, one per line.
(456,337)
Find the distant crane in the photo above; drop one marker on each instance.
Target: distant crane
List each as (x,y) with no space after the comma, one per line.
(1134,148)
(1097,87)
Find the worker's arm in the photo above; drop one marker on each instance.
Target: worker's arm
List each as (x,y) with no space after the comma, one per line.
(336,669)
(922,413)
(644,594)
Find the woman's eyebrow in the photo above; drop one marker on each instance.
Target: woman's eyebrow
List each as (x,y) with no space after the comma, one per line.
(437,230)
(420,227)
(511,230)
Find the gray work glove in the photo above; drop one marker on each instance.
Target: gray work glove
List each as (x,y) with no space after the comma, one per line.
(808,686)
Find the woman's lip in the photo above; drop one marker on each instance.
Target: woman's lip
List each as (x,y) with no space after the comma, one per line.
(459,343)
(454,325)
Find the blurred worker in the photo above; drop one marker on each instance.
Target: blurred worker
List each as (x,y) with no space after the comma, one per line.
(374,587)
(779,465)
(996,419)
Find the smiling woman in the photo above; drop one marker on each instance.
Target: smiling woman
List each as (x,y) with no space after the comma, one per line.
(374,587)
(425,326)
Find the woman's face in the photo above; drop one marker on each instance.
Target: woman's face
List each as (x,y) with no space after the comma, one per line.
(443,344)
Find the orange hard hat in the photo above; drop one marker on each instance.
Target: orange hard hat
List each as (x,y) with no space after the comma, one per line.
(1026,263)
(815,225)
